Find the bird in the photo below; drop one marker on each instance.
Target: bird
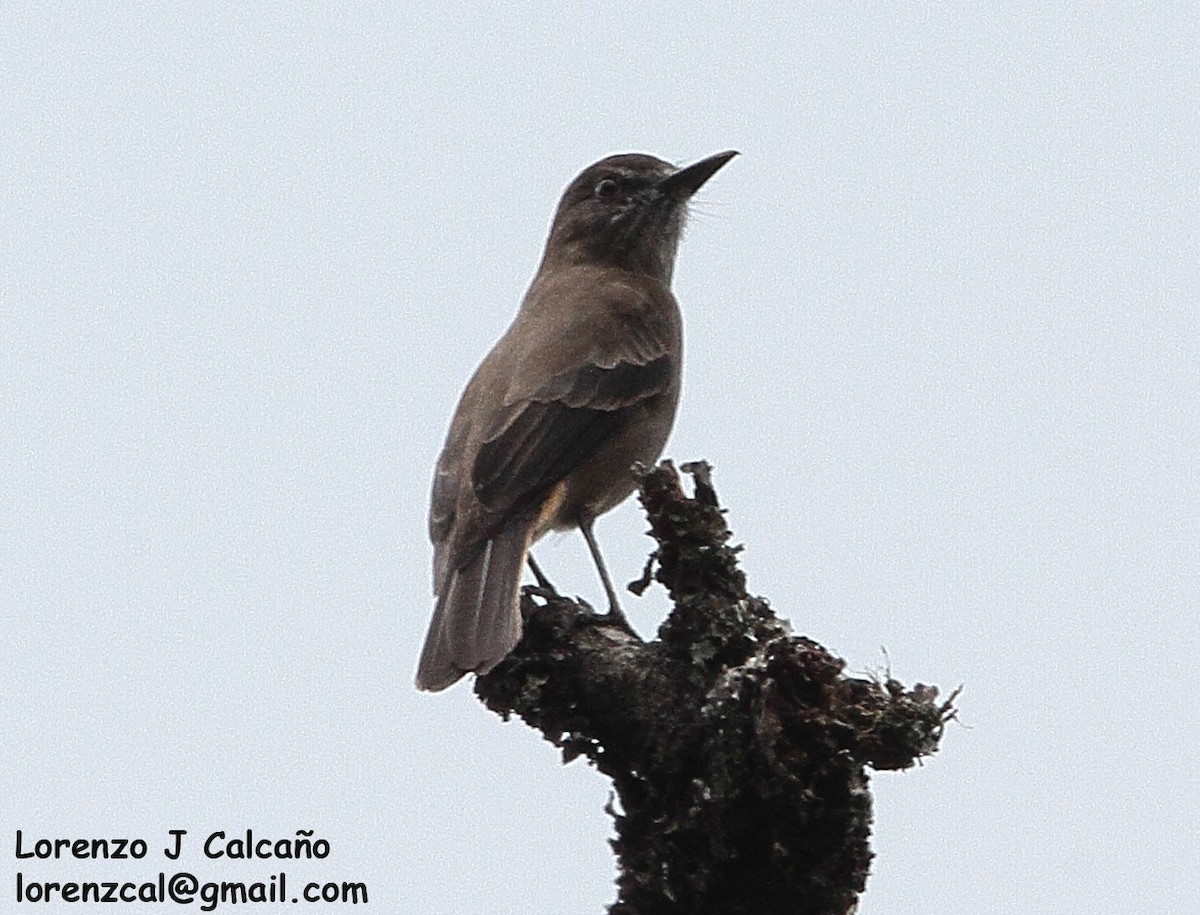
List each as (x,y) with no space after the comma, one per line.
(582,386)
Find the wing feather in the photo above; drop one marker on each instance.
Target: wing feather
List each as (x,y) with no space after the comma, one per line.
(550,434)
(542,403)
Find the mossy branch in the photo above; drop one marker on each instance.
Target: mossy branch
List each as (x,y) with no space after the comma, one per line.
(738,751)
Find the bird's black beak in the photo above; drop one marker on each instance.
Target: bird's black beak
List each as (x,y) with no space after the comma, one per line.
(685,182)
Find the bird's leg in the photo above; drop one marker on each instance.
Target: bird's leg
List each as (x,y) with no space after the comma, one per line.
(544,583)
(614,608)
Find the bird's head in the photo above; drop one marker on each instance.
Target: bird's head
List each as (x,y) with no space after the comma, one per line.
(628,211)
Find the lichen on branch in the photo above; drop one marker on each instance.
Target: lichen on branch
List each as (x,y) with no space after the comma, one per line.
(738,751)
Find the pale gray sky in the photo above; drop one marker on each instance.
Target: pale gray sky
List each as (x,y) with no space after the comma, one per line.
(943,350)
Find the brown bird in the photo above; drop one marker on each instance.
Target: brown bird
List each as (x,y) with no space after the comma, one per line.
(583,384)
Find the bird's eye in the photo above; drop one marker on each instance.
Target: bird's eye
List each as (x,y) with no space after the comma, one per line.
(606,189)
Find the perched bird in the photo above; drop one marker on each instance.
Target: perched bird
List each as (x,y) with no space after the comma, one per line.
(583,384)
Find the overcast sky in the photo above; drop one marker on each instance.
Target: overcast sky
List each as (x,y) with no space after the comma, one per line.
(942,348)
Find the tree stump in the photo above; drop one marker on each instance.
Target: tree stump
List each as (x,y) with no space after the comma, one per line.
(737,750)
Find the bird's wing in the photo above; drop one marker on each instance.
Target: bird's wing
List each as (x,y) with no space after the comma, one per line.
(547,430)
(444,498)
(550,434)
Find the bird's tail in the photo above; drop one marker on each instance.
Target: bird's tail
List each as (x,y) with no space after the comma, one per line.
(477,619)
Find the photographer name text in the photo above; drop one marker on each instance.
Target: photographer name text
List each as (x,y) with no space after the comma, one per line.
(216,846)
(181,887)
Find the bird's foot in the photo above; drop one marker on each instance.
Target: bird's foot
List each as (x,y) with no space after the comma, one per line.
(544,584)
(616,617)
